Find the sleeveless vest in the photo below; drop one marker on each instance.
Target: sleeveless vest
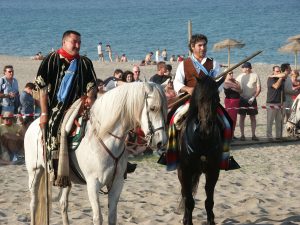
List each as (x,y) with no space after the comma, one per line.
(190,71)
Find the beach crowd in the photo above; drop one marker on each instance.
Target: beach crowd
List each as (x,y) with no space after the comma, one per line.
(20,108)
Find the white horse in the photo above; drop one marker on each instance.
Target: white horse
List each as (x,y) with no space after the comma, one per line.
(101,156)
(293,123)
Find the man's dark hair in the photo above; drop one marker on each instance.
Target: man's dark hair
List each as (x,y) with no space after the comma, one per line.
(169,67)
(68,32)
(30,85)
(7,67)
(196,38)
(284,67)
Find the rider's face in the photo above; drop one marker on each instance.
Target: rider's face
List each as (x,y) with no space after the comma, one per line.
(200,48)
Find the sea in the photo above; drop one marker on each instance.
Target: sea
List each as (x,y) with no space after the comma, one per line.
(136,27)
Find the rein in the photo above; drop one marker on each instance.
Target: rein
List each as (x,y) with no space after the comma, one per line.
(116,160)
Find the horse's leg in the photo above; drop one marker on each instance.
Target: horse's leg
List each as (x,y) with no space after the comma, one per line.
(63,202)
(34,183)
(93,193)
(185,179)
(211,181)
(113,199)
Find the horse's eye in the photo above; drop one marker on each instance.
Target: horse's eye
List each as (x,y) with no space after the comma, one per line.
(153,108)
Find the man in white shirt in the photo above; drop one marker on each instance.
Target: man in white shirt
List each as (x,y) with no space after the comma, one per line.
(251,87)
(100,52)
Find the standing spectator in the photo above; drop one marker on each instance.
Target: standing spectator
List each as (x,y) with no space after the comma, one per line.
(232,90)
(9,90)
(164,55)
(109,52)
(54,72)
(251,87)
(124,58)
(27,104)
(275,99)
(157,55)
(136,73)
(127,76)
(148,58)
(160,76)
(289,90)
(100,52)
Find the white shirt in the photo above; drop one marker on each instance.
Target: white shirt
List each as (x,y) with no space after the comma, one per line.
(180,76)
(249,84)
(99,49)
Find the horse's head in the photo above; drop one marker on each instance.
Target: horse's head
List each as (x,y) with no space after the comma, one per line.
(154,115)
(204,103)
(293,123)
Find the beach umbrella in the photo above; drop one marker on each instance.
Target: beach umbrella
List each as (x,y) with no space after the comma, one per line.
(229,44)
(293,47)
(294,38)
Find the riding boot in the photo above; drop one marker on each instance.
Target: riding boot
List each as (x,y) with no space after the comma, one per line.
(130,169)
(229,164)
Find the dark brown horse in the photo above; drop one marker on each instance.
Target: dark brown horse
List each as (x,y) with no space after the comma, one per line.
(200,148)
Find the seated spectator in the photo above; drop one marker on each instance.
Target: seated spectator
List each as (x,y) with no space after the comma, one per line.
(28,104)
(124,58)
(38,56)
(11,138)
(148,58)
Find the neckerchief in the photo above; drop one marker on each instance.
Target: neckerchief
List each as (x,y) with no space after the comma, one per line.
(199,67)
(66,83)
(66,55)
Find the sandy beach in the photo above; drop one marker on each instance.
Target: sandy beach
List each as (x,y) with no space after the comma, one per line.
(264,191)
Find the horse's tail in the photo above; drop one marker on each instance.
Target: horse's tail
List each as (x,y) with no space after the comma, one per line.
(195,183)
(41,212)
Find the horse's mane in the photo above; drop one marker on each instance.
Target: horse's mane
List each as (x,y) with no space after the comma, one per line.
(124,105)
(204,96)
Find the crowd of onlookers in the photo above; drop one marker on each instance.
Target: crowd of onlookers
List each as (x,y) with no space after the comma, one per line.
(240,99)
(12,128)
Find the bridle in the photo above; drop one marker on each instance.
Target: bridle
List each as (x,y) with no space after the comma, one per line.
(151,128)
(116,159)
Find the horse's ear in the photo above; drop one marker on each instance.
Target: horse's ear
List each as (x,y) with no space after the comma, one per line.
(220,82)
